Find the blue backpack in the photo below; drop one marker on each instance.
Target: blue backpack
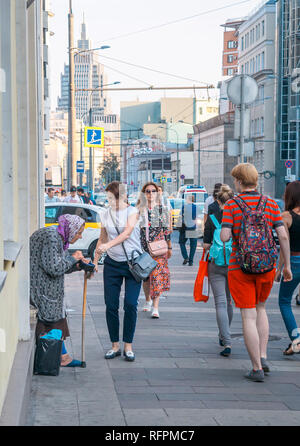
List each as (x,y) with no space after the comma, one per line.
(219,251)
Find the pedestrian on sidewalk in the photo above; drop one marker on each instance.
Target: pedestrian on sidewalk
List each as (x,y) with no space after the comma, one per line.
(187,230)
(73,197)
(249,218)
(49,262)
(291,220)
(218,268)
(51,197)
(211,199)
(120,232)
(155,227)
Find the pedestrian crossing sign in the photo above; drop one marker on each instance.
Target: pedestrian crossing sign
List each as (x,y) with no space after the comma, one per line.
(94,137)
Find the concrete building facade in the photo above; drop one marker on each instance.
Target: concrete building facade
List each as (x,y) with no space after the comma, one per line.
(257,59)
(288,91)
(210,151)
(22,193)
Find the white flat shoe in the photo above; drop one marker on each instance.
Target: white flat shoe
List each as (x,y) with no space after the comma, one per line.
(147,306)
(155,314)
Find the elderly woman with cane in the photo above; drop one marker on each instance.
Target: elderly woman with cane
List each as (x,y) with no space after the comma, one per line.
(49,262)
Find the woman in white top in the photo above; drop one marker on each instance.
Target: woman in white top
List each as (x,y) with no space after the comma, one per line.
(113,242)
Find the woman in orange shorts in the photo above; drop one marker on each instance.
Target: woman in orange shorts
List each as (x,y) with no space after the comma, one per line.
(250,291)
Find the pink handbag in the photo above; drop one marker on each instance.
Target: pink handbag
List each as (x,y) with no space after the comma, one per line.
(156,248)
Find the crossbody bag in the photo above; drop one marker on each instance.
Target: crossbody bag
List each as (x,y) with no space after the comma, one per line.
(140,266)
(156,248)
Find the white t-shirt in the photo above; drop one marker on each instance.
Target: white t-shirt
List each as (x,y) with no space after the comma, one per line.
(133,242)
(209,200)
(70,199)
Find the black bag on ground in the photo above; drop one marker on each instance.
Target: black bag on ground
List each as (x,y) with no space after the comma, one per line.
(47,357)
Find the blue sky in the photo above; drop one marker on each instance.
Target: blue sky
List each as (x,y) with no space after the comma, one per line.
(190,48)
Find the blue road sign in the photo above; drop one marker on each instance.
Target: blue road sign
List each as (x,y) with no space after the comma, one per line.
(169,180)
(80,167)
(289,164)
(94,137)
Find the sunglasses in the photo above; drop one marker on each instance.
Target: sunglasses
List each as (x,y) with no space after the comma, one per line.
(151,191)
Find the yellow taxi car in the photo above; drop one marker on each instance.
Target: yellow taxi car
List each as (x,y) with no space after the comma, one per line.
(176,205)
(90,213)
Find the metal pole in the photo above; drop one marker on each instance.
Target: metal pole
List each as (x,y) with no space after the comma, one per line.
(177,166)
(90,155)
(72,110)
(80,175)
(242,120)
(199,160)
(298,144)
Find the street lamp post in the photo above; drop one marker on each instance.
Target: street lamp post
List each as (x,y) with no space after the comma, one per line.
(90,112)
(177,154)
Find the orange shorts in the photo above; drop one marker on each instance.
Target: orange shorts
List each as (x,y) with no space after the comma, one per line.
(247,290)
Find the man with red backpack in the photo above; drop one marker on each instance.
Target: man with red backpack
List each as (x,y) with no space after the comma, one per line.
(249,218)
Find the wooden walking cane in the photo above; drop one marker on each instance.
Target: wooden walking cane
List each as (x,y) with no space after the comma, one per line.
(83,363)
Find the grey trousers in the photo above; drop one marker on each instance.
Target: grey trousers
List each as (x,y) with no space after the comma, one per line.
(218,279)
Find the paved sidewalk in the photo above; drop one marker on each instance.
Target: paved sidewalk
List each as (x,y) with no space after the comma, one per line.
(178,377)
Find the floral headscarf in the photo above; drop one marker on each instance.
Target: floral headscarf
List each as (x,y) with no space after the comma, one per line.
(68,226)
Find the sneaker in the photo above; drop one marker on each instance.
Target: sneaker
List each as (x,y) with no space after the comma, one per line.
(256,375)
(185,261)
(226,351)
(147,306)
(297,299)
(155,314)
(265,365)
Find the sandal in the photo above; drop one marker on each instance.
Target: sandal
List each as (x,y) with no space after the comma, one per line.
(288,351)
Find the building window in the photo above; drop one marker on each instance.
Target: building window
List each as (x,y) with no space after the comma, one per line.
(232,44)
(230,71)
(242,43)
(263,28)
(261,93)
(230,58)
(263,60)
(262,126)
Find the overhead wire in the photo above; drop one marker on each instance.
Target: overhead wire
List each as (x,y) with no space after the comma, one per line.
(152,69)
(176,21)
(127,75)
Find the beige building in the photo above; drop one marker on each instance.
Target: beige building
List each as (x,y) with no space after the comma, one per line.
(22,193)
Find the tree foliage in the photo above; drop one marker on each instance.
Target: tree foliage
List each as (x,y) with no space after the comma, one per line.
(109,170)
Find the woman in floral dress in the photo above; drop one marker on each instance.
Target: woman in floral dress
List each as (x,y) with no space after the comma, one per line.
(159,229)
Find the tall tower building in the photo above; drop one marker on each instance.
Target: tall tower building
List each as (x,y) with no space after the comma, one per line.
(89,74)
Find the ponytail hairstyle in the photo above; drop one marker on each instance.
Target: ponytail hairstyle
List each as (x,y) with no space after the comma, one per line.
(225,193)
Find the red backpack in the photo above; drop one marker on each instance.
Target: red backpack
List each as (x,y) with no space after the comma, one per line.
(256,250)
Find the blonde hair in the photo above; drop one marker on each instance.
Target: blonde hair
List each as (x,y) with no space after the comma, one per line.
(246,173)
(224,194)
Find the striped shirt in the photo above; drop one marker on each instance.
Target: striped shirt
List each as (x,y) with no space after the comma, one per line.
(232,218)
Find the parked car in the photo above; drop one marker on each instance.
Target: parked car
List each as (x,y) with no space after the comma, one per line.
(176,205)
(101,199)
(92,216)
(132,200)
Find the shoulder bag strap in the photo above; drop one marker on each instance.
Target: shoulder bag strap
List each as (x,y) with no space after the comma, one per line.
(215,221)
(147,224)
(117,229)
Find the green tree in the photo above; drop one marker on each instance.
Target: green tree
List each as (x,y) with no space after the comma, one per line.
(109,170)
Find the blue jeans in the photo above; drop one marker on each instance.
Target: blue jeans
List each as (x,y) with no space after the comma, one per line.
(114,273)
(193,246)
(285,298)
